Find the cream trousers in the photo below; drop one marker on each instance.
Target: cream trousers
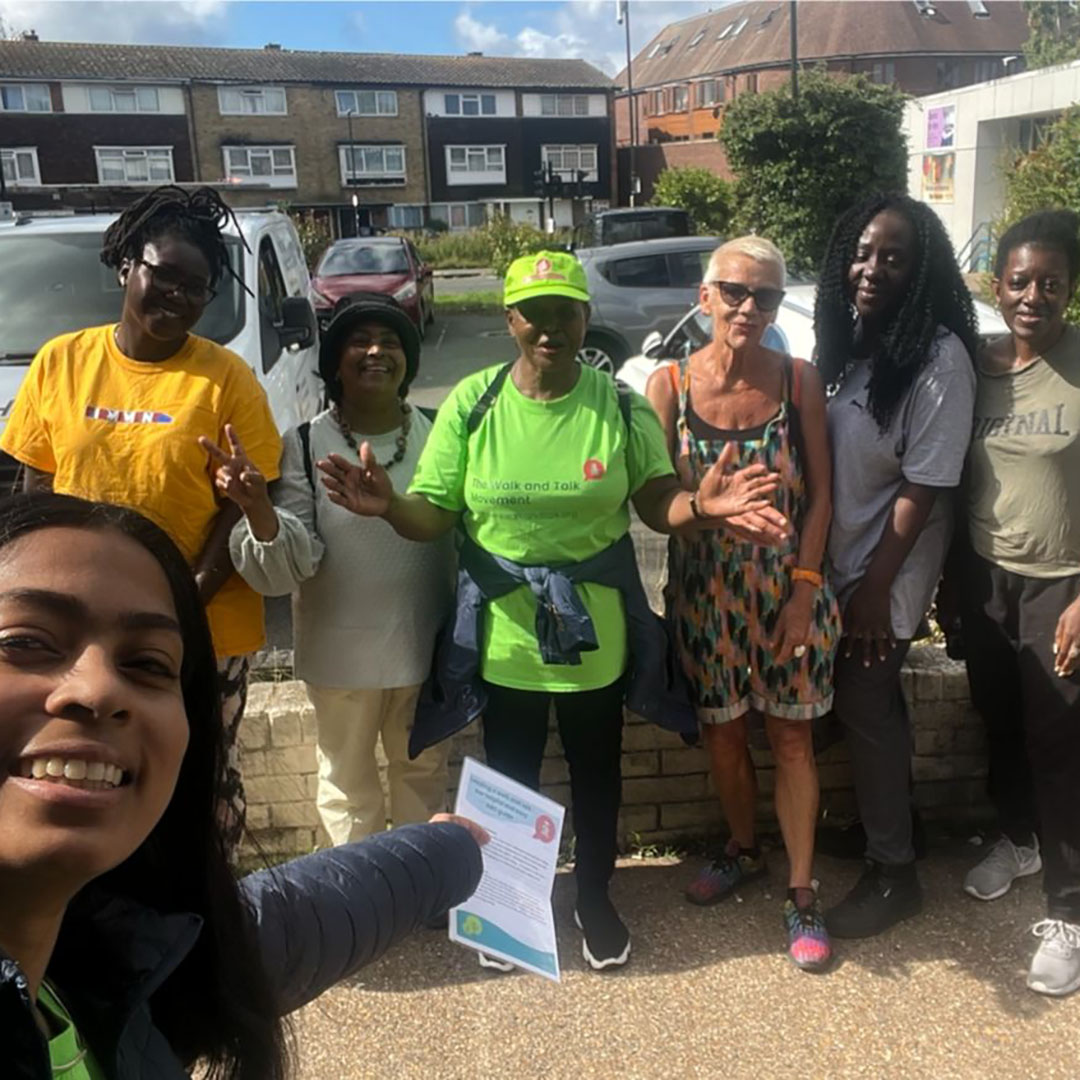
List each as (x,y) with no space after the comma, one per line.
(351,801)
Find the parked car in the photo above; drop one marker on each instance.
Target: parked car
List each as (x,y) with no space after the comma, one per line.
(792,332)
(374,264)
(637,288)
(626,225)
(52,282)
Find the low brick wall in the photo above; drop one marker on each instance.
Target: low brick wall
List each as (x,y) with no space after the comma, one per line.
(667,791)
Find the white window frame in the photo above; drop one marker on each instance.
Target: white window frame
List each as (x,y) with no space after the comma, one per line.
(683,89)
(559,152)
(419,207)
(12,153)
(277,177)
(473,97)
(254,93)
(131,154)
(381,176)
(699,93)
(565,105)
(115,91)
(382,107)
(433,214)
(696,40)
(457,175)
(24,87)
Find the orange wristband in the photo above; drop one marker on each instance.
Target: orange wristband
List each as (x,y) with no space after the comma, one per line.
(811,576)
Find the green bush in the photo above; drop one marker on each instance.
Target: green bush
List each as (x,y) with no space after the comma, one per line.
(495,245)
(1048,178)
(314,233)
(1055,32)
(800,164)
(704,195)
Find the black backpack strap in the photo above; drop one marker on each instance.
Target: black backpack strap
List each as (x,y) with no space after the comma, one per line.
(487,399)
(794,420)
(626,403)
(304,432)
(429,413)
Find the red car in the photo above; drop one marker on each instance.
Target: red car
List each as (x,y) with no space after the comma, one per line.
(374,264)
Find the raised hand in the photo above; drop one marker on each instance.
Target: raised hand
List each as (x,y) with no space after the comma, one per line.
(235,474)
(365,489)
(723,494)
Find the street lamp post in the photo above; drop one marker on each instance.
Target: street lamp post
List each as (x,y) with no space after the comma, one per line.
(351,176)
(623,16)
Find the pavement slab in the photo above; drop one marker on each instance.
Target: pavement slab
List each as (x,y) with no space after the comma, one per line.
(708,993)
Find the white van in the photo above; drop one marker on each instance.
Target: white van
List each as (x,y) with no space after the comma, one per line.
(52,281)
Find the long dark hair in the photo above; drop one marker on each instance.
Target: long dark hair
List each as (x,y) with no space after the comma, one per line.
(217,1005)
(198,216)
(936,296)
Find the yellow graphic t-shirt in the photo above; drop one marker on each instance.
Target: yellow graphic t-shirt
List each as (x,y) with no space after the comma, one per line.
(125,432)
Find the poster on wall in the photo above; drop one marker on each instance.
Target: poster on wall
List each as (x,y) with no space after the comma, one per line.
(941,127)
(938,177)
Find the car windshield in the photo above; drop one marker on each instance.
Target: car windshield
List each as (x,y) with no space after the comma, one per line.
(54,283)
(624,229)
(355,259)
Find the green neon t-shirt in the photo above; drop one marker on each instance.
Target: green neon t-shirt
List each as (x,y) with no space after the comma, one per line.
(68,1054)
(544,483)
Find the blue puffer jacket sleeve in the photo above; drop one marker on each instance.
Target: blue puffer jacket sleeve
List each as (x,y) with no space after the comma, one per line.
(321,917)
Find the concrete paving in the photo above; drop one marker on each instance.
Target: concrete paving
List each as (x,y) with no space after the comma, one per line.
(708,993)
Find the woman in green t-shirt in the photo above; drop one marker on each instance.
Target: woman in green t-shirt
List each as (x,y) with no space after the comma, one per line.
(538,463)
(1021,620)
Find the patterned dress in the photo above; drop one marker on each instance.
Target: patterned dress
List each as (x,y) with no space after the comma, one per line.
(726,594)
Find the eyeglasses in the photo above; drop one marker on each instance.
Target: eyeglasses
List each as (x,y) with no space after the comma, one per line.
(734,293)
(166,280)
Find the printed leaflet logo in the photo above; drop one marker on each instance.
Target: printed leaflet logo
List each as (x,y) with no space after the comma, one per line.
(593,469)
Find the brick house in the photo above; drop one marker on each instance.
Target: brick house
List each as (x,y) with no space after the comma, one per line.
(691,69)
(345,135)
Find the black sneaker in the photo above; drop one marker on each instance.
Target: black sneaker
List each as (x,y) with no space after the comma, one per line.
(605,939)
(849,841)
(882,897)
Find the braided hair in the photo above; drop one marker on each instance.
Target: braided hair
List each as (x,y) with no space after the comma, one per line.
(936,296)
(198,216)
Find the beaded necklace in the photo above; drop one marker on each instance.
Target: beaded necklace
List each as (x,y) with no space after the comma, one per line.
(402,439)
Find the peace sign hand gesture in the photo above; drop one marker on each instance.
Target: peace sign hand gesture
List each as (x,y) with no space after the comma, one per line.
(365,489)
(235,474)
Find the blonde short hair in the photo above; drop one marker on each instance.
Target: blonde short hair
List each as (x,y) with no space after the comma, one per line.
(753,247)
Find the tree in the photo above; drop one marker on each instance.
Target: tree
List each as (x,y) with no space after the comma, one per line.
(1047,178)
(1055,32)
(703,194)
(799,163)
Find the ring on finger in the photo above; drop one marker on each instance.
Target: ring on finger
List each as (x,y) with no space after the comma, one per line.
(800,651)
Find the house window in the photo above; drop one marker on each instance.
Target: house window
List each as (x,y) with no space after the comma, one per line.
(948,74)
(564,105)
(751,82)
(459,215)
(366,102)
(985,70)
(406,217)
(134,164)
(568,161)
(251,100)
(25,97)
(696,40)
(709,92)
(124,99)
(367,164)
(658,102)
(273,166)
(884,72)
(469,104)
(740,26)
(20,165)
(475,164)
(680,96)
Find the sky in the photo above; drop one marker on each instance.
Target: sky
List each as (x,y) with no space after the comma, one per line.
(538,28)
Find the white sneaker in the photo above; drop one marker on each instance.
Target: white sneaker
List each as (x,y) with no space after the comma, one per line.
(1055,967)
(1003,864)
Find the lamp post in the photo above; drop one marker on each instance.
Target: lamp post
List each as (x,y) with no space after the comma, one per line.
(351,176)
(623,15)
(794,50)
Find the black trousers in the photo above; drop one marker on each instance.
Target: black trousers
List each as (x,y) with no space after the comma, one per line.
(590,725)
(1032,717)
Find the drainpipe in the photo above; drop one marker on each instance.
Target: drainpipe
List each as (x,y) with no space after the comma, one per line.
(189,101)
(427,152)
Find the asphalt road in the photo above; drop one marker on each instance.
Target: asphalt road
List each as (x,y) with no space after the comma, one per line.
(465,283)
(456,346)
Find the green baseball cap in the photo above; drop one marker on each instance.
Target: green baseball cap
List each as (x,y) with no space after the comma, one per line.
(547,273)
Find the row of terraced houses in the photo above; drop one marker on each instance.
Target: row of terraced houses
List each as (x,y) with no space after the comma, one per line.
(368,140)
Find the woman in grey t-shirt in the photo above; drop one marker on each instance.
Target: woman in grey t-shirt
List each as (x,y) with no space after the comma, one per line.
(895,337)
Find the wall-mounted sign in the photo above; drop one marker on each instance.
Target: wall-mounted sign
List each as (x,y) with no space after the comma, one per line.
(938,178)
(941,127)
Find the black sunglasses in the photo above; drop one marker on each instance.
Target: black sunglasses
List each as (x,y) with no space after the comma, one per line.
(735,293)
(169,282)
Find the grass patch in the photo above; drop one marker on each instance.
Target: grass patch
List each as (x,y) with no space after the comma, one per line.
(488,301)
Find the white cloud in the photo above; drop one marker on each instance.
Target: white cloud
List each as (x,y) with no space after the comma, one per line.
(476,36)
(175,23)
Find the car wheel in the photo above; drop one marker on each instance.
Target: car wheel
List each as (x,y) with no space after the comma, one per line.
(603,353)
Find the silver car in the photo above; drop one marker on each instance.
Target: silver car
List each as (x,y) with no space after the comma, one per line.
(637,288)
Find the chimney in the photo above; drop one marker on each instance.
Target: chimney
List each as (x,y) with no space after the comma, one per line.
(272,46)
(474,54)
(30,35)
